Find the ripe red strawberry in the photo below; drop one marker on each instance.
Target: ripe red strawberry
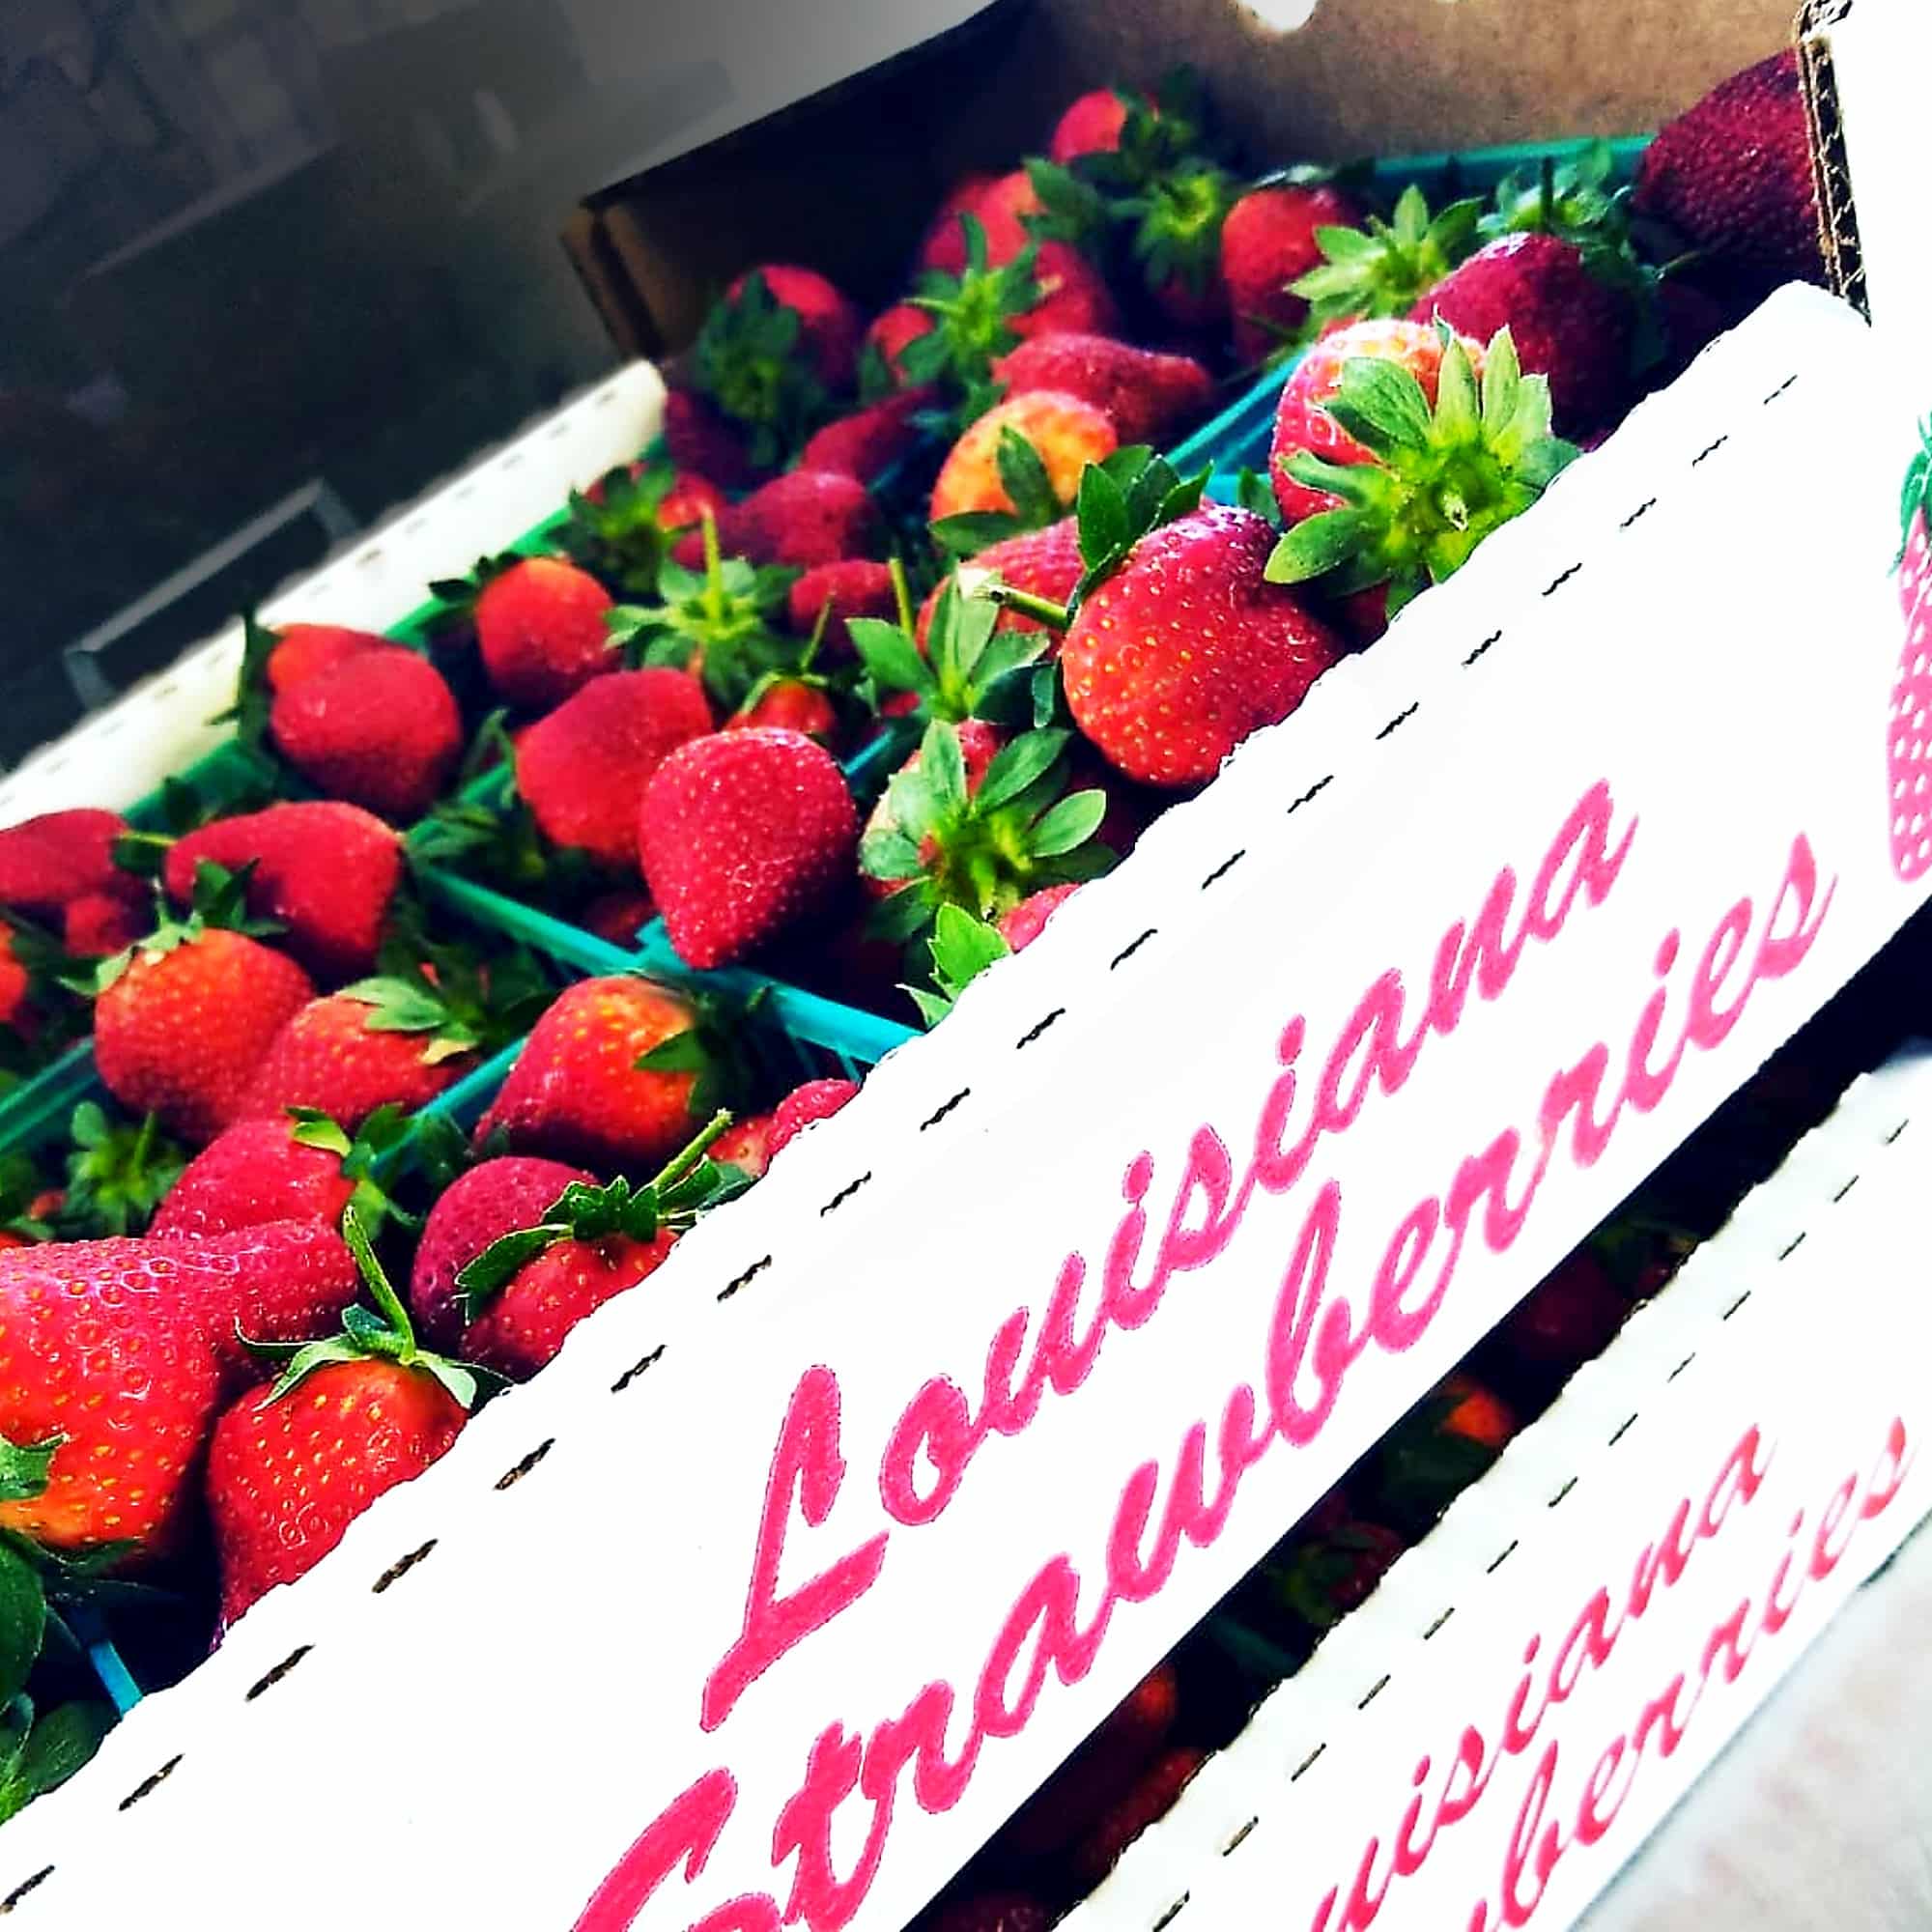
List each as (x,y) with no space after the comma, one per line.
(1101,1773)
(805,517)
(829,326)
(47,862)
(816,1100)
(1733,175)
(105,1355)
(697,439)
(1066,434)
(1092,125)
(745,1144)
(577,1091)
(618,916)
(979,743)
(1908,763)
(1027,921)
(97,923)
(1566,325)
(274,1282)
(1044,562)
(300,652)
(1267,243)
(323,871)
(540,627)
(1152,1797)
(350,1418)
(1148,396)
(1188,648)
(1074,299)
(781,703)
(17,1012)
(999,204)
(869,442)
(495,1198)
(891,329)
(184,1020)
(379,729)
(583,769)
(1568,1319)
(384,1043)
(839,592)
(742,836)
(989,1911)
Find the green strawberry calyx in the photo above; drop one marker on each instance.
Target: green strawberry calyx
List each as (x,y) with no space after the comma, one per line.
(413,1006)
(220,902)
(1028,489)
(41,1751)
(381,1334)
(689,1184)
(972,322)
(458,595)
(984,849)
(1914,500)
(747,360)
(1155,136)
(118,1173)
(1177,224)
(617,534)
(24,1467)
(711,1048)
(1385,267)
(1441,480)
(362,1156)
(962,948)
(967,664)
(715,622)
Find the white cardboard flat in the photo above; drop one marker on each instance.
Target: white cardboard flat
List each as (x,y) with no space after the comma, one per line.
(1637,660)
(1534,1686)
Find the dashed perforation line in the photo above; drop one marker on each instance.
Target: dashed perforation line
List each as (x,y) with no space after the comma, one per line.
(1556,584)
(1122,958)
(154,1781)
(518,1470)
(1400,718)
(846,1193)
(1226,867)
(1781,390)
(1172,1913)
(731,1287)
(1498,1561)
(26,1885)
(636,1369)
(933,1118)
(1708,449)
(1240,1838)
(1374,1691)
(1306,1762)
(1561,1493)
(1681,1366)
(1736,1305)
(1792,1247)
(1483,649)
(1314,791)
(1845,1190)
(1624,1429)
(403,1565)
(1637,514)
(1439,1623)
(276,1676)
(1033,1032)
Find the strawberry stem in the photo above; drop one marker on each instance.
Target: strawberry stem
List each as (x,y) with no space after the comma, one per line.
(1028,604)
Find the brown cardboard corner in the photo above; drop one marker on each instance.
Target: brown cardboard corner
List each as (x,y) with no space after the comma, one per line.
(603,278)
(1837,216)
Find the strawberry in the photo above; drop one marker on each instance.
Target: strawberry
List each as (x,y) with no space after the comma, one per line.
(989,1911)
(742,836)
(583,769)
(1187,649)
(832,594)
(1073,297)
(1322,1569)
(869,442)
(1146,395)
(619,916)
(109,1386)
(978,823)
(617,1074)
(1176,241)
(1267,243)
(492,1199)
(1568,1319)
(47,862)
(803,1107)
(274,1282)
(1382,268)
(1434,1454)
(300,651)
(1733,175)
(1393,455)
(95,924)
(700,440)
(803,518)
(1101,1773)
(1063,435)
(620,529)
(348,1419)
(183,1020)
(17,1012)
(781,703)
(1907,737)
(829,326)
(891,332)
(1026,921)
(1152,1796)
(379,729)
(323,871)
(1044,563)
(522,1295)
(1566,324)
(540,626)
(389,1041)
(772,354)
(1092,125)
(1000,206)
(746,1145)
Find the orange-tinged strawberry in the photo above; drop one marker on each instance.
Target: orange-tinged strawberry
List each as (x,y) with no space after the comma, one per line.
(1065,433)
(540,627)
(1441,1447)
(1147,395)
(743,836)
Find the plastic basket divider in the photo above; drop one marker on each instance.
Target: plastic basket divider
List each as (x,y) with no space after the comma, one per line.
(39,1107)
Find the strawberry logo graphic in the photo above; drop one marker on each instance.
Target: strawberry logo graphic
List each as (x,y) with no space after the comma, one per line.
(1908,740)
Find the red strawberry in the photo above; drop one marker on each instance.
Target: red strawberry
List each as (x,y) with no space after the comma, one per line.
(1734,176)
(1044,562)
(698,438)
(495,1198)
(1188,648)
(1566,324)
(869,442)
(829,326)
(816,1100)
(1476,1414)
(541,631)
(185,1019)
(350,1418)
(1073,297)
(274,1282)
(385,1042)
(379,729)
(619,916)
(47,862)
(324,872)
(786,704)
(1568,1319)
(302,650)
(979,744)
(1152,1797)
(17,1005)
(106,1356)
(805,517)
(839,592)
(1101,1773)
(745,1144)
(1328,1567)
(583,769)
(578,1092)
(999,204)
(1268,242)
(1091,126)
(97,923)
(1065,432)
(1027,921)
(253,1171)
(893,329)
(989,1911)
(1146,395)
(744,835)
